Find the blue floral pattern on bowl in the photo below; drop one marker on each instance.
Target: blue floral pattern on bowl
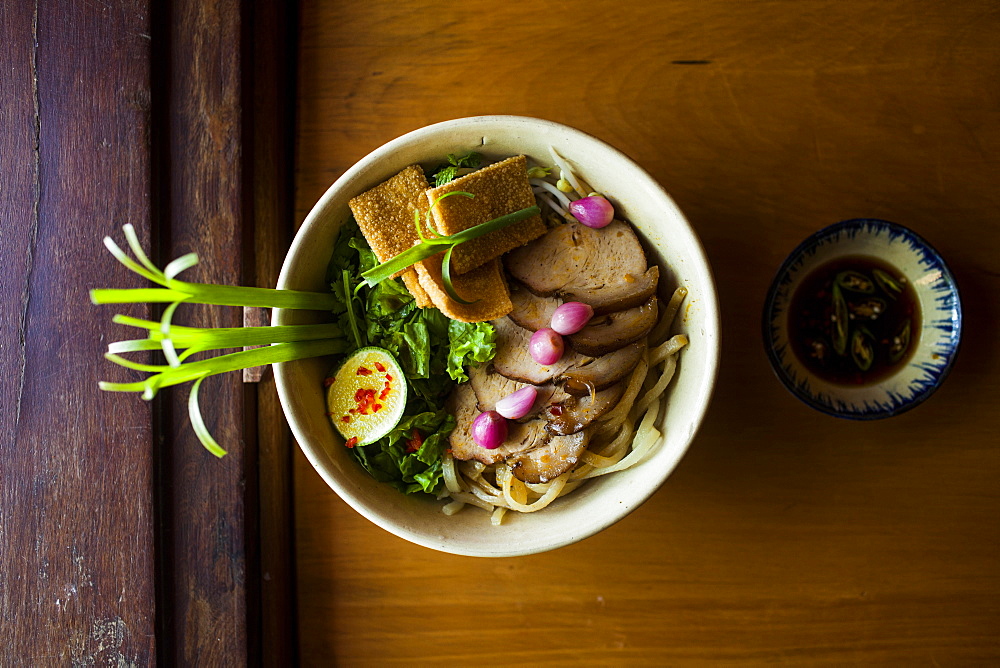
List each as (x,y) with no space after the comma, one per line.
(940,330)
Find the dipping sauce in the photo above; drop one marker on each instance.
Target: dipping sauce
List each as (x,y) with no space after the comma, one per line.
(854,320)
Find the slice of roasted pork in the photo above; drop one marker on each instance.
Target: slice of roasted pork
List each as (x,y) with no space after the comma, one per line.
(490,387)
(553,459)
(513,360)
(634,290)
(520,437)
(605,267)
(567,414)
(600,372)
(531,311)
(611,331)
(580,374)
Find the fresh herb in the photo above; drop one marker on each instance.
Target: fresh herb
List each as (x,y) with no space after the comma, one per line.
(447,172)
(191,340)
(165,375)
(470,344)
(394,461)
(175,290)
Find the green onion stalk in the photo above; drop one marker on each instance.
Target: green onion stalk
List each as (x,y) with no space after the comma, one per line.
(281,343)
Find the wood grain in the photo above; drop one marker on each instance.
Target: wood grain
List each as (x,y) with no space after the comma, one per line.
(784,536)
(122,541)
(272,162)
(205,513)
(76,502)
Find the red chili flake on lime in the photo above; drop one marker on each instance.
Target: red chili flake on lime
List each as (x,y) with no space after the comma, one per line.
(327,382)
(365,400)
(373,405)
(351,442)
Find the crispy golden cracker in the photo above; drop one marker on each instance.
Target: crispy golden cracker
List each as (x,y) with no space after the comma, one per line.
(385,213)
(412,282)
(499,189)
(485,284)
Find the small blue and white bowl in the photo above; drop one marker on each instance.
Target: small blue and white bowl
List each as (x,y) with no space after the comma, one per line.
(940,331)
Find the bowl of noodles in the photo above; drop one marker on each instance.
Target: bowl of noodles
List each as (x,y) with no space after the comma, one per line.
(483,510)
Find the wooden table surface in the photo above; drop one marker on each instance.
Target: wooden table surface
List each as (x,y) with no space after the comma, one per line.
(784,536)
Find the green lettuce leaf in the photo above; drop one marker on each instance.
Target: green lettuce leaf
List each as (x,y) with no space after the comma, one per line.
(388,459)
(470,343)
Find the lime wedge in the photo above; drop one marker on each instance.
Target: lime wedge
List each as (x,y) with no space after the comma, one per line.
(367,395)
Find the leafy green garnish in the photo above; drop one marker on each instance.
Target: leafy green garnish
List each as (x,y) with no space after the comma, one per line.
(470,344)
(396,459)
(449,171)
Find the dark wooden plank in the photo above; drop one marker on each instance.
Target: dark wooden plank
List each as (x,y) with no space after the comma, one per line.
(78,489)
(274,50)
(76,514)
(206,501)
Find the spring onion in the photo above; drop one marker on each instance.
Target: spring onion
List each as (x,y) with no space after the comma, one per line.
(175,290)
(177,343)
(200,339)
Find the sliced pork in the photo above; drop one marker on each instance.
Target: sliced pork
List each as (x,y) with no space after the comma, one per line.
(605,267)
(513,360)
(579,374)
(553,459)
(568,414)
(531,311)
(597,373)
(490,387)
(520,437)
(611,331)
(632,291)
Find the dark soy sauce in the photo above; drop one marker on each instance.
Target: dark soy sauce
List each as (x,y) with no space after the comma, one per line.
(854,320)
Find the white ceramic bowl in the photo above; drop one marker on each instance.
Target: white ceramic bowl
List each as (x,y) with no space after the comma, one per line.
(940,328)
(603,501)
